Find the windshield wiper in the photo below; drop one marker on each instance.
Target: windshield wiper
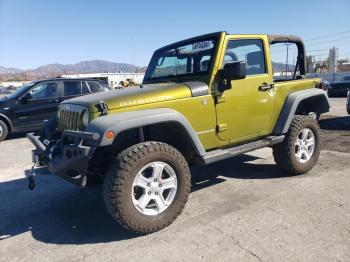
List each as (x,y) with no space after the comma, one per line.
(166,76)
(171,77)
(161,78)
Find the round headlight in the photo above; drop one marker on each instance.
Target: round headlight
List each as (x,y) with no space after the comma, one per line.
(86,118)
(59,113)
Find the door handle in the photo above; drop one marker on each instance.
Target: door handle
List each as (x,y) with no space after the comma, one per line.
(265,87)
(54,101)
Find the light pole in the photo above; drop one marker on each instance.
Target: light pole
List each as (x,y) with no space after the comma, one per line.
(287,59)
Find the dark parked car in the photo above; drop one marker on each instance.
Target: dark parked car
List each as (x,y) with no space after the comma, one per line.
(4,90)
(26,108)
(348,102)
(339,88)
(346,78)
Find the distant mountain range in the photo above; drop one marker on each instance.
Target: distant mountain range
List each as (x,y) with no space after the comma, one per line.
(9,70)
(94,66)
(52,70)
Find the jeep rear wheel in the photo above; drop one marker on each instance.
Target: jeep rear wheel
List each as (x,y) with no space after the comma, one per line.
(3,130)
(147,186)
(300,150)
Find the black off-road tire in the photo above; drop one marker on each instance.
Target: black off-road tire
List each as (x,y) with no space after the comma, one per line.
(284,153)
(119,178)
(4,131)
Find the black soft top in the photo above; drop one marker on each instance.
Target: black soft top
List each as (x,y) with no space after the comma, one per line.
(301,59)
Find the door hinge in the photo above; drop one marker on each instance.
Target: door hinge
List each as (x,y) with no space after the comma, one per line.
(221,128)
(220,99)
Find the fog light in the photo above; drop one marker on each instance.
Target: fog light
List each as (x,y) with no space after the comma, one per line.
(109,135)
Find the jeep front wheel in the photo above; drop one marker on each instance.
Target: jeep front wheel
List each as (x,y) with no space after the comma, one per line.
(300,149)
(147,186)
(3,130)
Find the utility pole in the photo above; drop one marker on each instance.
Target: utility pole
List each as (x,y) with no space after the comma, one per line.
(332,61)
(287,60)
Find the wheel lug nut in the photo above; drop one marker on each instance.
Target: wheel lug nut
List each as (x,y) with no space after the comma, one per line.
(160,185)
(148,184)
(156,193)
(149,192)
(155,180)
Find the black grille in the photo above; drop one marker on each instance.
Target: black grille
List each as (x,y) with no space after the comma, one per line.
(70,119)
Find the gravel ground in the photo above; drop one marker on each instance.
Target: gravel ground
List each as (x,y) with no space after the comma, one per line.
(242,209)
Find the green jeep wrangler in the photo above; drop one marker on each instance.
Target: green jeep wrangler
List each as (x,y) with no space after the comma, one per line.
(202,100)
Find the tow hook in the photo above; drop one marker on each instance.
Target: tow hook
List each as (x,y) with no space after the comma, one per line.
(31,182)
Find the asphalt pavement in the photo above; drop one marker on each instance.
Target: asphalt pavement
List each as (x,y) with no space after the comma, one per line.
(241,209)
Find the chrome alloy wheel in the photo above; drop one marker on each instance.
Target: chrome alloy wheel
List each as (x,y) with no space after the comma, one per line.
(304,145)
(154,188)
(1,130)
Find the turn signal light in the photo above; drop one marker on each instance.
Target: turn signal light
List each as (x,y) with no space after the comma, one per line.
(109,135)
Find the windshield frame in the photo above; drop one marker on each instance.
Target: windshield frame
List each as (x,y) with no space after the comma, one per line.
(215,37)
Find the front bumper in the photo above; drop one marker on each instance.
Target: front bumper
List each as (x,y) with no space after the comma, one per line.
(68,160)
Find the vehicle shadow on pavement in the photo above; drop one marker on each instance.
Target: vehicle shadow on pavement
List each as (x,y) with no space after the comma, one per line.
(335,133)
(59,213)
(16,136)
(56,212)
(239,167)
(335,123)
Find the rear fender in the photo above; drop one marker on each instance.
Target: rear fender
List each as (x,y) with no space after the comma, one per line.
(317,102)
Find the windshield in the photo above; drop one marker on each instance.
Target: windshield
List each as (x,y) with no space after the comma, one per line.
(105,86)
(192,58)
(20,91)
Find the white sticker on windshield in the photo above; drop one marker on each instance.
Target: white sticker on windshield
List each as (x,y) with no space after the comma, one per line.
(199,46)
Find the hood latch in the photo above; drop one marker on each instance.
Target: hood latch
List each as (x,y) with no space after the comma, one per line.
(102,108)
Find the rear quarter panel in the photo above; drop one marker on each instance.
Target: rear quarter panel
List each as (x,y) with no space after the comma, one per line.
(283,89)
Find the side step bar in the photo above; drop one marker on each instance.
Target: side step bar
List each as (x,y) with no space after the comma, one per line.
(221,154)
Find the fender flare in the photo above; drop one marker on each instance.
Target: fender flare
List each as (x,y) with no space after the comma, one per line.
(123,121)
(291,104)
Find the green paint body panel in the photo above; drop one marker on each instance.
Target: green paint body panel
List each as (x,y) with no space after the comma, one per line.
(235,116)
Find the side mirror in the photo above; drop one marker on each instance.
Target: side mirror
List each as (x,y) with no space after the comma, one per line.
(234,71)
(231,71)
(25,98)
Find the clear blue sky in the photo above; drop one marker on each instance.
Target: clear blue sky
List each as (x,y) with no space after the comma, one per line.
(34,33)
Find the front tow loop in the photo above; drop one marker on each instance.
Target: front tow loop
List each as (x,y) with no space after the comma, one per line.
(31,182)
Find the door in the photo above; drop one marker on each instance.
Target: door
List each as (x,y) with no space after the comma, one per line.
(246,109)
(39,103)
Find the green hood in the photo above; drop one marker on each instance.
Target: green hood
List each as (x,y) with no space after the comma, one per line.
(132,96)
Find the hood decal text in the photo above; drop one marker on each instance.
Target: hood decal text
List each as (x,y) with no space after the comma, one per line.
(147,100)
